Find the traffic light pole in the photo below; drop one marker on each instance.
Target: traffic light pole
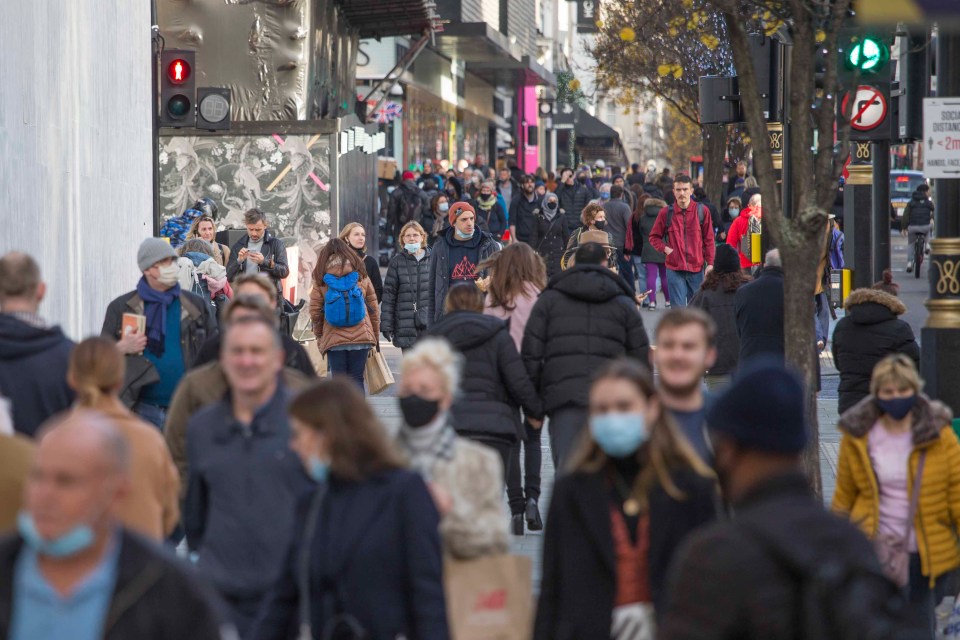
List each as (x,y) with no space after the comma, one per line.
(940,337)
(880,153)
(155,48)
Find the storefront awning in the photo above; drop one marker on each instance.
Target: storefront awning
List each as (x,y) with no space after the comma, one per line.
(595,140)
(383,18)
(489,55)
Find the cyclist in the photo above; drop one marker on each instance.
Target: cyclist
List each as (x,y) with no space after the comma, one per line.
(918,215)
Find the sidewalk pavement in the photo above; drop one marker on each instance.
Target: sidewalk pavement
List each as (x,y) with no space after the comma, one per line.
(530,544)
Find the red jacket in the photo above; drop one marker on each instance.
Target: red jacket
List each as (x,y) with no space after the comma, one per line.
(736,232)
(692,242)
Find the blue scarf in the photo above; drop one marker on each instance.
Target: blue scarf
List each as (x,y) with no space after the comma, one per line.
(155,305)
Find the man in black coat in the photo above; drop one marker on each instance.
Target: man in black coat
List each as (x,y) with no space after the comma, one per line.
(574,195)
(586,316)
(258,251)
(759,310)
(869,332)
(522,211)
(33,354)
(114,580)
(752,577)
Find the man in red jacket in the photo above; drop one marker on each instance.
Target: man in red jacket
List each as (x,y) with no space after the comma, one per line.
(684,232)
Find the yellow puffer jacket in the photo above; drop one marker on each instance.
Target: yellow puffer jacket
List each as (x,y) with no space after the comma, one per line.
(938,510)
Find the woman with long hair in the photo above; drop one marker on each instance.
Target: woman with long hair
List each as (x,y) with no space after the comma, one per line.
(356,236)
(465,478)
(716,297)
(633,493)
(437,222)
(593,218)
(151,505)
(517,276)
(407,291)
(366,556)
(897,443)
(346,337)
(205,228)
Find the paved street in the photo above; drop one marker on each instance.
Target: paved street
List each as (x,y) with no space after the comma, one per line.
(913,292)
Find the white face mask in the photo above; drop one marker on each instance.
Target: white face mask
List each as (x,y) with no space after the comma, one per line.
(168,275)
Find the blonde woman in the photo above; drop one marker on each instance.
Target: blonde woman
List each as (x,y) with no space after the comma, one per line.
(633,494)
(356,236)
(407,309)
(887,436)
(205,228)
(151,506)
(465,478)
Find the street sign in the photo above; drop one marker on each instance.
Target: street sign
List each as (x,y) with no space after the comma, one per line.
(869,108)
(941,137)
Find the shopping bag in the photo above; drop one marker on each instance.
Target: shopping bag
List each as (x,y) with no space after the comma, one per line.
(377,374)
(317,359)
(489,598)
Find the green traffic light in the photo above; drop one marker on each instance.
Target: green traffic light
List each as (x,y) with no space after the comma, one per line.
(869,55)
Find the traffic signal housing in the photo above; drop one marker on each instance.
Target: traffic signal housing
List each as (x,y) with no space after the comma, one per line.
(865,92)
(213,108)
(177,88)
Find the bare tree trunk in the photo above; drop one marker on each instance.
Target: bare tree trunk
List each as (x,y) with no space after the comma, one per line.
(714,151)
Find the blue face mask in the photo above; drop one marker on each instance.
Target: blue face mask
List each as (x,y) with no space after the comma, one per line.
(412,247)
(71,543)
(319,471)
(463,236)
(605,195)
(618,434)
(897,408)
(734,212)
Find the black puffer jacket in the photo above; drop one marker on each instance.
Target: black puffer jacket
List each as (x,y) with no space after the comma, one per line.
(585,317)
(407,293)
(870,331)
(919,211)
(494,380)
(573,198)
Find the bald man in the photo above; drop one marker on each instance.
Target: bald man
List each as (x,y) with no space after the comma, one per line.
(72,571)
(33,353)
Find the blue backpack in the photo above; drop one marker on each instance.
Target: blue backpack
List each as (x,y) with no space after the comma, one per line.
(343,304)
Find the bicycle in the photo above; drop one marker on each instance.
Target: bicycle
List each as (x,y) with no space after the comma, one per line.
(919,249)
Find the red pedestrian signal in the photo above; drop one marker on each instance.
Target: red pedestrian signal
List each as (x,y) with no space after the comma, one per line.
(177,90)
(179,71)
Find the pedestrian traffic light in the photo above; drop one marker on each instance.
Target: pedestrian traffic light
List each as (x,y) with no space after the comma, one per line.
(177,88)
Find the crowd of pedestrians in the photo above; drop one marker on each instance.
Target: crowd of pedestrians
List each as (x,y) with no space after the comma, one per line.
(195,422)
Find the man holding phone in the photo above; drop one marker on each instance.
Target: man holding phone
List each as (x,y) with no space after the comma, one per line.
(259,252)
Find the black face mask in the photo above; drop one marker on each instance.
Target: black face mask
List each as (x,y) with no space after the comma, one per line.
(417,411)
(486,196)
(582,179)
(600,224)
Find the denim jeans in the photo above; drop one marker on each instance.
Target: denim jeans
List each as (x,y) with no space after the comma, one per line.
(682,286)
(152,413)
(349,362)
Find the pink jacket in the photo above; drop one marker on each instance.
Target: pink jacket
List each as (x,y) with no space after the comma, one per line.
(517,316)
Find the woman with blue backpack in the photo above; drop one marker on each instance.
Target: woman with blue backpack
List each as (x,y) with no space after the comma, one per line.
(344,310)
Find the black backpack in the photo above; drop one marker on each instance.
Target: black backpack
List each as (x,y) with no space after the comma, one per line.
(839,599)
(410,206)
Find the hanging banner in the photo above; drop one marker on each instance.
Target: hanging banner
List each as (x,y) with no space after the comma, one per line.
(588,12)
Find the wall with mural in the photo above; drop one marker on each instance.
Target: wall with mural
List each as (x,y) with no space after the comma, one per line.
(288,177)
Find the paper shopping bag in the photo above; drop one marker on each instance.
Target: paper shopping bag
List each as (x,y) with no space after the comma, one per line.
(489,598)
(377,374)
